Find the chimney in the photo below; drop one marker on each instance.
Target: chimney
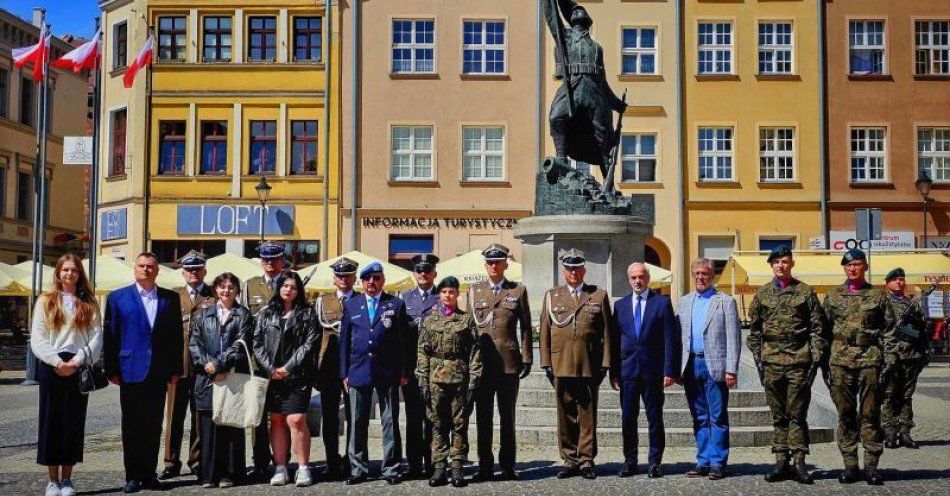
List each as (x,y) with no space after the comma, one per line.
(38,16)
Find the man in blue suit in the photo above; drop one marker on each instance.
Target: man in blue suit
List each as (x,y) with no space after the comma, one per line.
(371,359)
(646,359)
(143,342)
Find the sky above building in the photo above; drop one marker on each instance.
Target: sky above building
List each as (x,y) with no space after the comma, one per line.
(75,17)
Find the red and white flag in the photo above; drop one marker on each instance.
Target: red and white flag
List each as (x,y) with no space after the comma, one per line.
(81,57)
(143,59)
(37,54)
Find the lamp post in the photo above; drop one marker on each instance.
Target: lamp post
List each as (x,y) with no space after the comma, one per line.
(923,184)
(263,191)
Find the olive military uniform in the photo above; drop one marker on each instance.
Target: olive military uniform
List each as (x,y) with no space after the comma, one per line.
(329,310)
(912,347)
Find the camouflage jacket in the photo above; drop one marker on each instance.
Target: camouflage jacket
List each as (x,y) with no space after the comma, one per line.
(913,341)
(862,326)
(788,325)
(448,351)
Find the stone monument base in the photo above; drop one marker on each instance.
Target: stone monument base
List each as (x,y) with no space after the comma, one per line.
(610,243)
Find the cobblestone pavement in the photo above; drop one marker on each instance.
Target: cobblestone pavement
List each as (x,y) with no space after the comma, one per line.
(926,471)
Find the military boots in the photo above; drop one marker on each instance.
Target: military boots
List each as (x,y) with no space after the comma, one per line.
(439,477)
(781,471)
(872,476)
(890,440)
(458,478)
(800,472)
(907,441)
(850,475)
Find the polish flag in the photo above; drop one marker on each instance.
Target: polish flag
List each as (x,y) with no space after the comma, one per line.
(81,57)
(37,54)
(143,59)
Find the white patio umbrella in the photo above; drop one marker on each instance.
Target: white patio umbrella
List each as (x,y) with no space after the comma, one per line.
(397,278)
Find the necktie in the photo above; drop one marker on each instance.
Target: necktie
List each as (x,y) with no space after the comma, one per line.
(637,316)
(576,295)
(371,302)
(496,290)
(342,299)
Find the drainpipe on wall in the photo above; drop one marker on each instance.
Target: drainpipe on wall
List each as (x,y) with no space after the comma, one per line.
(822,132)
(328,63)
(354,155)
(680,205)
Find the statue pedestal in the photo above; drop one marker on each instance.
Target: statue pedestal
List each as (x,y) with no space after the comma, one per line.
(609,242)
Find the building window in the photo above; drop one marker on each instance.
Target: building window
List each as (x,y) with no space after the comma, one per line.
(303,147)
(933,47)
(171,38)
(171,151)
(715,48)
(411,153)
(483,47)
(639,51)
(777,154)
(933,152)
(867,47)
(718,249)
(27,105)
(263,159)
(308,39)
(3,191)
(24,197)
(775,48)
(262,39)
(769,244)
(117,158)
(4,92)
(483,153)
(638,158)
(120,45)
(867,154)
(217,39)
(413,46)
(214,147)
(715,154)
(403,247)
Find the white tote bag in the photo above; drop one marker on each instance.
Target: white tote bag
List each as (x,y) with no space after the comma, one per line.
(238,399)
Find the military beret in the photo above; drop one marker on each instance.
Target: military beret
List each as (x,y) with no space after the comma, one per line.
(372,268)
(270,249)
(424,262)
(853,255)
(194,259)
(894,274)
(344,267)
(779,252)
(573,258)
(495,251)
(448,282)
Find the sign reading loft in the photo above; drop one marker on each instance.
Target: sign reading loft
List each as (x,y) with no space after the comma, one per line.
(235,220)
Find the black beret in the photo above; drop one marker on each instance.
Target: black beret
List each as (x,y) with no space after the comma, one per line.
(853,255)
(447,282)
(779,252)
(894,274)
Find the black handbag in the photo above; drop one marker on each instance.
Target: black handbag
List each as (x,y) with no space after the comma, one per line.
(92,376)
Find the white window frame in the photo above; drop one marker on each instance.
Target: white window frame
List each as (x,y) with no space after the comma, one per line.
(483,153)
(771,47)
(483,47)
(412,46)
(718,152)
(934,152)
(862,42)
(638,155)
(930,50)
(639,50)
(867,154)
(770,156)
(412,152)
(715,47)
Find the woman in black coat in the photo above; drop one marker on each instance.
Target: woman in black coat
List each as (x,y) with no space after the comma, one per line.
(216,351)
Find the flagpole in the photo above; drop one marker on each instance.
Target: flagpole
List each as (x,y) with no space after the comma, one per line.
(92,252)
(42,158)
(148,143)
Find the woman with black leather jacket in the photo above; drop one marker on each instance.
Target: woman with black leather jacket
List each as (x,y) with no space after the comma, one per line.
(216,351)
(286,343)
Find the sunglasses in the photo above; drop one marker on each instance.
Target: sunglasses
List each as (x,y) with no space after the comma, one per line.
(193,269)
(374,277)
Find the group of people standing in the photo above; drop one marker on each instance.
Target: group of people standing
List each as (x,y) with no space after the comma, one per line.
(165,349)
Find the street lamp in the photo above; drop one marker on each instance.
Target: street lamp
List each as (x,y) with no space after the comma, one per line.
(923,184)
(263,191)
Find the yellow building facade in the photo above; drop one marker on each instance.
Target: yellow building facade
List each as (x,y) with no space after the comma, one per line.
(752,135)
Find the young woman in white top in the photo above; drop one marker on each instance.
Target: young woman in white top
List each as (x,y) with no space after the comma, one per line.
(66,333)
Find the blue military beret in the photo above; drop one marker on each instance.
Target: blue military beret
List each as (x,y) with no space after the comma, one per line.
(424,262)
(370,269)
(270,249)
(779,252)
(894,274)
(853,255)
(344,267)
(194,259)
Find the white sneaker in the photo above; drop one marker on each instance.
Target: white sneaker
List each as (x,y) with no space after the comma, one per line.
(280,476)
(66,488)
(302,479)
(52,489)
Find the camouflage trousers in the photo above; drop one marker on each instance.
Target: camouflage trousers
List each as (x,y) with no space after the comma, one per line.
(857,397)
(449,424)
(788,393)
(897,412)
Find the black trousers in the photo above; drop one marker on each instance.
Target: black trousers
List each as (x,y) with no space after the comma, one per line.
(262,456)
(418,427)
(330,394)
(143,406)
(222,450)
(181,400)
(505,386)
(61,423)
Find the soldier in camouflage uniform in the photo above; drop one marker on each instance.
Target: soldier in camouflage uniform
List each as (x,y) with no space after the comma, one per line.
(862,344)
(913,346)
(788,344)
(449,370)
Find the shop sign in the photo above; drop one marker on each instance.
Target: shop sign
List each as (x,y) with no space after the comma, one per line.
(235,220)
(890,241)
(938,242)
(438,223)
(113,224)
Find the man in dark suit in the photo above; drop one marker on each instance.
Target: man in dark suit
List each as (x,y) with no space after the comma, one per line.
(647,355)
(143,342)
(371,360)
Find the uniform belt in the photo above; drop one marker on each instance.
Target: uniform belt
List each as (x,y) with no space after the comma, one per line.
(786,338)
(447,355)
(859,340)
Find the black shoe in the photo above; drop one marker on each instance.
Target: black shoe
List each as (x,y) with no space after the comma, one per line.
(890,440)
(717,473)
(873,477)
(628,470)
(439,477)
(458,477)
(169,474)
(415,473)
(509,474)
(907,441)
(850,475)
(588,473)
(131,486)
(484,475)
(331,474)
(151,483)
(356,479)
(655,472)
(258,475)
(698,472)
(568,471)
(779,473)
(392,480)
(800,473)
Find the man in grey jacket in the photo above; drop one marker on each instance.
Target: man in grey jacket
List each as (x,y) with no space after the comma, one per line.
(709,324)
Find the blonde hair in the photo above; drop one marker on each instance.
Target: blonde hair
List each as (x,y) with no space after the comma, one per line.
(87,308)
(702,261)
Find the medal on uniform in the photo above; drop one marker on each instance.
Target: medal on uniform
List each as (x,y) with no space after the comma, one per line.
(387,323)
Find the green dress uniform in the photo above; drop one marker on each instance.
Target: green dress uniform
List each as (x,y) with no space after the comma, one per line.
(787,340)
(329,310)
(912,347)
(258,291)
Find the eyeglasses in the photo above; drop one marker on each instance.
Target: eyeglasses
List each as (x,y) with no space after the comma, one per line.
(374,277)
